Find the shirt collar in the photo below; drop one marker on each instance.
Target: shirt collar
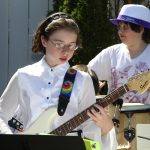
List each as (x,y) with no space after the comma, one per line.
(58,70)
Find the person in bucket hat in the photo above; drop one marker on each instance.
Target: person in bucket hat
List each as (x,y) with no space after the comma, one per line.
(117,63)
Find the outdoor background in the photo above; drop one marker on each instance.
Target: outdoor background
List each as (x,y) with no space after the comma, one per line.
(19,19)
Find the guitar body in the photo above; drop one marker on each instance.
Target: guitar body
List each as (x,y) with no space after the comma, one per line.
(43,124)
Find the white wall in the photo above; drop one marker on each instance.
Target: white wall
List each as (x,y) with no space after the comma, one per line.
(18,20)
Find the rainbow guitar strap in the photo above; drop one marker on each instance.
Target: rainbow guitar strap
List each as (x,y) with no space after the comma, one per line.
(64,99)
(66,90)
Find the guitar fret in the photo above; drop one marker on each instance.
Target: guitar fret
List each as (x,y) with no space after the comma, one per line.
(84,114)
(65,128)
(126,88)
(62,130)
(70,126)
(59,131)
(80,118)
(122,90)
(116,92)
(74,122)
(105,101)
(77,120)
(113,95)
(56,132)
(108,98)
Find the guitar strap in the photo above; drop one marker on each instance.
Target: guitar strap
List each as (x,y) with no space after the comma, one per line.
(66,90)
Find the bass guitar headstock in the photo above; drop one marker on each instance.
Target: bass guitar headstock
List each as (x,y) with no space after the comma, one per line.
(140,82)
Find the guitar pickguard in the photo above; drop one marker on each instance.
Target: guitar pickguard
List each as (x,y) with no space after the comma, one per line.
(43,124)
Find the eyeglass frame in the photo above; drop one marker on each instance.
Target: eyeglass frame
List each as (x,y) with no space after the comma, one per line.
(64,46)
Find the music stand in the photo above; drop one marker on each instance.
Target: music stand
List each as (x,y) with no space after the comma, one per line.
(41,142)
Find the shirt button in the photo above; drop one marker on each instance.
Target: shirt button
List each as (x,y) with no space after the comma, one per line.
(51,69)
(47,97)
(49,82)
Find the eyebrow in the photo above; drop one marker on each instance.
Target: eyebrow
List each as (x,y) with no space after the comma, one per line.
(57,40)
(123,22)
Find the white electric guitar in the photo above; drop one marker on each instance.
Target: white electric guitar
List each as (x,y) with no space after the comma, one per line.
(140,83)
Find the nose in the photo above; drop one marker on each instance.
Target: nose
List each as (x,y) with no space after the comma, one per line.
(120,29)
(66,49)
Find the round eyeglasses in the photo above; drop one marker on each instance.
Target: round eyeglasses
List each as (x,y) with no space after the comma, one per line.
(63,47)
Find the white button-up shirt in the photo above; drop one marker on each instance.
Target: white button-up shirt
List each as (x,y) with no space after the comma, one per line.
(36,87)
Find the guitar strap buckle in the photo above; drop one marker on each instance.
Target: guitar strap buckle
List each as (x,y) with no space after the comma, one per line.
(62,105)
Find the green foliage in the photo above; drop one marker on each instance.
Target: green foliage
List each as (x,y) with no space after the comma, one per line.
(57,4)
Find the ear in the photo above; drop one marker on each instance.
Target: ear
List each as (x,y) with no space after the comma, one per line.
(142,29)
(44,41)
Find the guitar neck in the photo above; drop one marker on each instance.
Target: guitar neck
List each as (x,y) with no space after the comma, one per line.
(82,117)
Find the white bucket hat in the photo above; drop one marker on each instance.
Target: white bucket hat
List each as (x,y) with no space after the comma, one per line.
(134,13)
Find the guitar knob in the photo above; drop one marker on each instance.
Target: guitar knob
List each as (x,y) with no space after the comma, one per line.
(116,122)
(15,124)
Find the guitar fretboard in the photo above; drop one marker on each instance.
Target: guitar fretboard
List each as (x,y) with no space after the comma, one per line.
(82,117)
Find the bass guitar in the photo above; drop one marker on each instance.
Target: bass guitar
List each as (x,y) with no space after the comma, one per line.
(139,82)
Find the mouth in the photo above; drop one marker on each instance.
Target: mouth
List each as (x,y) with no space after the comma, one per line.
(122,37)
(63,59)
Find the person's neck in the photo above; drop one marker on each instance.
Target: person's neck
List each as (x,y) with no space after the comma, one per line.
(136,49)
(50,63)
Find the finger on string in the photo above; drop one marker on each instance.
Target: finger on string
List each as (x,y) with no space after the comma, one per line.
(91,116)
(99,109)
(102,110)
